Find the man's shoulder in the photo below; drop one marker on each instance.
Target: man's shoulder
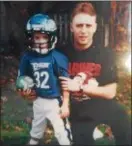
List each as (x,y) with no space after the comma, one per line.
(107,51)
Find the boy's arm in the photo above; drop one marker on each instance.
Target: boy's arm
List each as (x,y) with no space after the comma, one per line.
(65,100)
(61,69)
(23,71)
(65,112)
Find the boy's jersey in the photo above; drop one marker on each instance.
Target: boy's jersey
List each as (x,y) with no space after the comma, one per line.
(45,70)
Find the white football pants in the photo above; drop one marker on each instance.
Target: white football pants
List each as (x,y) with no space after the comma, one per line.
(44,109)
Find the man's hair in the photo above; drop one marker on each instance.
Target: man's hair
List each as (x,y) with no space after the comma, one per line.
(83,7)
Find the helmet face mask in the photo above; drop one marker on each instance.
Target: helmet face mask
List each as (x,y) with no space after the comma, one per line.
(40,42)
(41,32)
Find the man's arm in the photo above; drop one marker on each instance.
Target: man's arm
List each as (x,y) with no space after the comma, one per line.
(91,89)
(107,91)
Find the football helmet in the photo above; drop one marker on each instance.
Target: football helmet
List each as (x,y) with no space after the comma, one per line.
(43,24)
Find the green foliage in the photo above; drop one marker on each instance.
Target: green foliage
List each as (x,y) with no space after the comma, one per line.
(124,83)
(14,132)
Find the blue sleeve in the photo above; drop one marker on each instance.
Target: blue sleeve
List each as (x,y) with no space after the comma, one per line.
(61,64)
(23,66)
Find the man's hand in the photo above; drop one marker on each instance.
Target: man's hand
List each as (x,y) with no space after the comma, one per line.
(28,94)
(64,111)
(70,84)
(93,82)
(79,79)
(91,86)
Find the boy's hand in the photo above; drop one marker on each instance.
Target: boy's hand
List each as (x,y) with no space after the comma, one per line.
(28,94)
(65,112)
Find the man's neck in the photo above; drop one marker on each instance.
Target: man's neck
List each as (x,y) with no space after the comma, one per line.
(82,47)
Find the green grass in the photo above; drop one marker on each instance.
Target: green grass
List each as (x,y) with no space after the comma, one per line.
(14,132)
(11,136)
(21,138)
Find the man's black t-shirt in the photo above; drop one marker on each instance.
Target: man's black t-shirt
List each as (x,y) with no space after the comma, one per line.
(99,61)
(85,115)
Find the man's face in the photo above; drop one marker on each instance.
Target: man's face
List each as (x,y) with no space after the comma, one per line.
(83,27)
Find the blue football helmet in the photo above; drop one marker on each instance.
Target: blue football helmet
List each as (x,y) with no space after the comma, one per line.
(45,25)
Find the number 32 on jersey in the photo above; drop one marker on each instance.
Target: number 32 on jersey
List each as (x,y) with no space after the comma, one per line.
(42,79)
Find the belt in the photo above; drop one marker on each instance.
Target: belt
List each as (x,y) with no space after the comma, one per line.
(81,98)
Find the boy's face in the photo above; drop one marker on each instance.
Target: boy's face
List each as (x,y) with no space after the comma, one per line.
(40,40)
(83,27)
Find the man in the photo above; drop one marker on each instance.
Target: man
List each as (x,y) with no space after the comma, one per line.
(94,82)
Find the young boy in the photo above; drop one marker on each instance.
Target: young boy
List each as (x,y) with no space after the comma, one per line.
(44,65)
